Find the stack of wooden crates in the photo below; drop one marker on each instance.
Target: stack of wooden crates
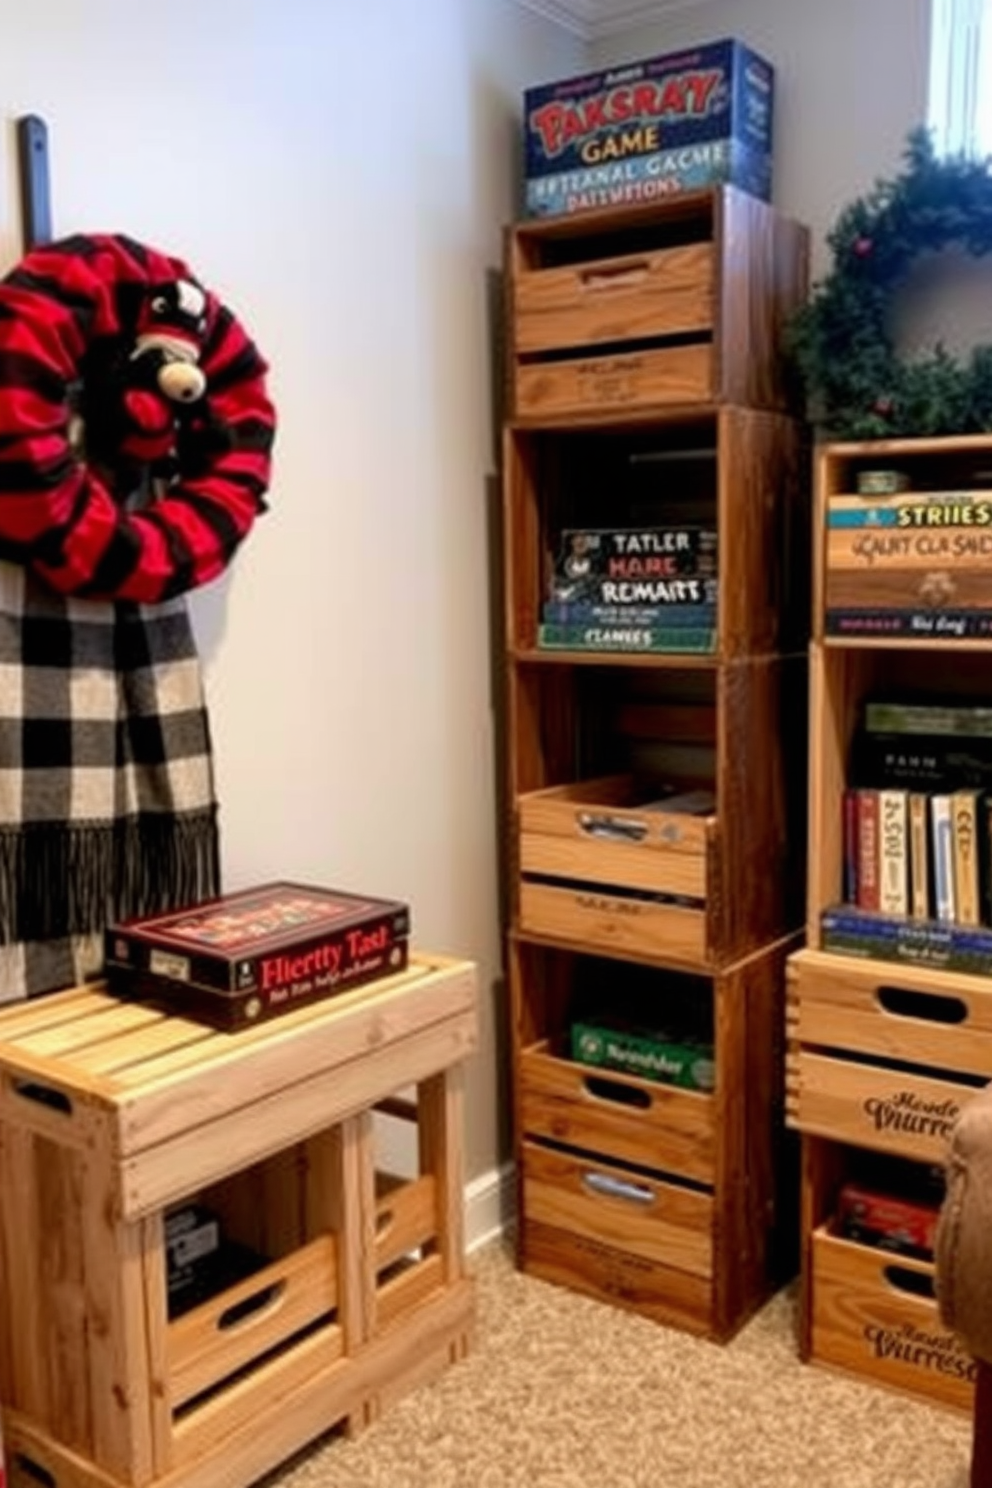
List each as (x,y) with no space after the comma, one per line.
(649,338)
(882,1056)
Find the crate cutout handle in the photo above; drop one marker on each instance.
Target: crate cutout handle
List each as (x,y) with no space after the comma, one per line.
(32,1469)
(916,1283)
(613,1090)
(618,1188)
(612,828)
(615,276)
(43,1095)
(248,1308)
(933,1008)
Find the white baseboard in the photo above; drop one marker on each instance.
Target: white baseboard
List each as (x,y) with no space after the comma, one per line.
(489,1205)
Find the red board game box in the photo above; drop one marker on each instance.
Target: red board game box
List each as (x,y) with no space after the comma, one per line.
(902,1225)
(243,957)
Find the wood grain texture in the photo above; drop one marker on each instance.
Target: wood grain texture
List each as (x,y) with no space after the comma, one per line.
(628,298)
(632,1212)
(890,1111)
(838,1003)
(822,1173)
(668,1129)
(754,1186)
(866,1321)
(674,1298)
(441,1101)
(611,923)
(619,380)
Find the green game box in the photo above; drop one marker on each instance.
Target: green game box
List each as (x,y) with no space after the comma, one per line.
(607,1044)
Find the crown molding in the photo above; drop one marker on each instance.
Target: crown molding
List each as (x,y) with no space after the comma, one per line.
(594,19)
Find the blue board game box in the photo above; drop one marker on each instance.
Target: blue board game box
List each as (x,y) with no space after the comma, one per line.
(636,133)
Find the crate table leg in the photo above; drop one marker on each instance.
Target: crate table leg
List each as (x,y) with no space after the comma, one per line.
(341,1196)
(120,1386)
(440,1102)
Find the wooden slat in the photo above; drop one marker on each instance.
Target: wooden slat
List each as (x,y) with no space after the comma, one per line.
(621,865)
(867,1106)
(675,374)
(63,1292)
(603,922)
(81,1033)
(836,1004)
(402,1294)
(118,1374)
(203,1349)
(170,1170)
(21,1220)
(193,1086)
(441,1101)
(558,812)
(675,1298)
(668,1130)
(659,293)
(660,1222)
(114,1056)
(17,1019)
(407,1218)
(865,1322)
(157,1333)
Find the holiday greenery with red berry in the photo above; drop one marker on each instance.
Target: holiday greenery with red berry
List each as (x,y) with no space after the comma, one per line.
(857,387)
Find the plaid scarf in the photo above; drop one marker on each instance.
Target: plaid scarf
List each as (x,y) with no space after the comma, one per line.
(107,805)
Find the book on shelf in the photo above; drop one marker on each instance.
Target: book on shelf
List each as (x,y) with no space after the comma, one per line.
(893,850)
(851,931)
(623,637)
(919,856)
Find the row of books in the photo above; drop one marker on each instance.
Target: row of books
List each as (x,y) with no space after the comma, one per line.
(917,855)
(643,589)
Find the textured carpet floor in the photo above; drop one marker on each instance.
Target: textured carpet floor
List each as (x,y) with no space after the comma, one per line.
(562,1392)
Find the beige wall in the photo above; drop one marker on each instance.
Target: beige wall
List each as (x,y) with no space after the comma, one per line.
(851,81)
(340,172)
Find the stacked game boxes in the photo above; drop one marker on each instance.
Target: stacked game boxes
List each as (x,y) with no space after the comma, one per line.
(237,960)
(650,129)
(648,589)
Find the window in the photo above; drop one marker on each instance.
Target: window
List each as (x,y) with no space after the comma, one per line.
(960,107)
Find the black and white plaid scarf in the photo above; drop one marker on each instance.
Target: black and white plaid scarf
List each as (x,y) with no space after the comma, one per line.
(107,806)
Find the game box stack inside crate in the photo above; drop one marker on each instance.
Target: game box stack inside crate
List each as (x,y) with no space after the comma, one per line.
(890,1005)
(656,628)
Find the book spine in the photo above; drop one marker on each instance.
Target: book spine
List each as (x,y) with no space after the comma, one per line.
(893,853)
(943,857)
(938,945)
(919,873)
(580,612)
(869,896)
(851,846)
(964,823)
(921,718)
(675,593)
(985,855)
(947,625)
(626,638)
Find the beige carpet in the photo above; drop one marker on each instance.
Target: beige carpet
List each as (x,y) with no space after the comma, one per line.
(562,1392)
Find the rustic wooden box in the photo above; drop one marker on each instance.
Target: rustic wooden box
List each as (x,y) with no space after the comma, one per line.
(667,1201)
(110,1114)
(679,303)
(912,565)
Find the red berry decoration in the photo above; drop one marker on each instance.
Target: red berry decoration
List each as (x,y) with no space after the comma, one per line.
(883,407)
(863,247)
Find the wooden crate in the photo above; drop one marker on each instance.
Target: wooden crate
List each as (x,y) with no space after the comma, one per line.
(671,1202)
(911,559)
(110,1114)
(681,303)
(867,1311)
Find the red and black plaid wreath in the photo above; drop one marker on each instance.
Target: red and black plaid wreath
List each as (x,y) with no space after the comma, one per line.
(115,362)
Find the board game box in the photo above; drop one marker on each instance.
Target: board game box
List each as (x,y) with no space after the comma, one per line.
(243,957)
(650,129)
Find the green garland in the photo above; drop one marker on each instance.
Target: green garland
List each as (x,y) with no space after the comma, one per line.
(856,386)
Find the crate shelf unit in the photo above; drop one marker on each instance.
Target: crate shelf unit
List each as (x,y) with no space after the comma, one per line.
(112,1114)
(882,1055)
(645,390)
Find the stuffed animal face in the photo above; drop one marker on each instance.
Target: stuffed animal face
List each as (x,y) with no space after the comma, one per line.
(170,333)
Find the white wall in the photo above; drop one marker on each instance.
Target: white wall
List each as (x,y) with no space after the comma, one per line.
(851,81)
(339,172)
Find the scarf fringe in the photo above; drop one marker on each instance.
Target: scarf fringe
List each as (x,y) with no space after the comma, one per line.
(61,880)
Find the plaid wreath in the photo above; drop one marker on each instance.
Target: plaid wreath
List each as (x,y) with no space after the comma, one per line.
(135,444)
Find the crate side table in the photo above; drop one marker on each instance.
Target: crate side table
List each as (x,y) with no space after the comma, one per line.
(111,1113)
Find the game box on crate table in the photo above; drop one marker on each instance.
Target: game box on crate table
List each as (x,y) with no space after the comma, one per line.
(667,124)
(236,960)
